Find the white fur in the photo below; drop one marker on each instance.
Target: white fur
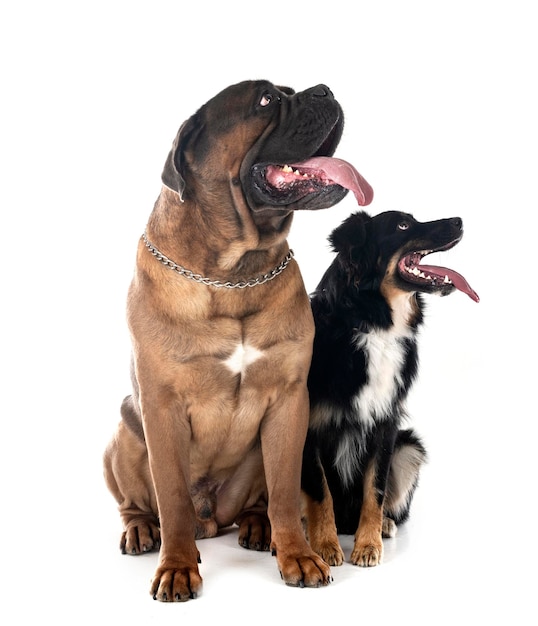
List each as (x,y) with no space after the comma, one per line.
(348,456)
(385,355)
(406,463)
(243,356)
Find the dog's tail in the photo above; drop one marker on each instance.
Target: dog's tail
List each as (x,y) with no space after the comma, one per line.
(409,456)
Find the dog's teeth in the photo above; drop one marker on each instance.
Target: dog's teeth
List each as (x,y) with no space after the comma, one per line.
(287,169)
(447,280)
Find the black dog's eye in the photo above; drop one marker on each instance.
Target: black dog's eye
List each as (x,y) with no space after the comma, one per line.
(267,98)
(403,225)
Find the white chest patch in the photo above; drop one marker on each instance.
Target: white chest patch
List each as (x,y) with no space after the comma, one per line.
(385,358)
(243,356)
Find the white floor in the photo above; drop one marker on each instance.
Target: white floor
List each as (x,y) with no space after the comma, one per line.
(440,569)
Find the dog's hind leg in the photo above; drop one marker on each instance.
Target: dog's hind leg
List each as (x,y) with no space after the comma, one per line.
(408,457)
(127,476)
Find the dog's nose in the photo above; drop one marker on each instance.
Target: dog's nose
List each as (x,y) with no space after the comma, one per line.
(457,222)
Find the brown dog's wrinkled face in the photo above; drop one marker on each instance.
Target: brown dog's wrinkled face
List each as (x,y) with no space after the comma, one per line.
(273,143)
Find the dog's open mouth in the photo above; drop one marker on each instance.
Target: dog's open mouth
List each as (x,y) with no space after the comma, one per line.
(433,278)
(287,184)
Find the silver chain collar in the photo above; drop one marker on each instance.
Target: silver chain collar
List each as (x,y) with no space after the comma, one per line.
(260,280)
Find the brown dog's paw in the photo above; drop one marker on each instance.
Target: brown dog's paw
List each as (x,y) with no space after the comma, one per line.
(176,584)
(139,537)
(304,571)
(255,532)
(330,552)
(367,555)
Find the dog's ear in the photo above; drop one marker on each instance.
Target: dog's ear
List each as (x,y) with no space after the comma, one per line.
(172,175)
(287,90)
(350,234)
(354,245)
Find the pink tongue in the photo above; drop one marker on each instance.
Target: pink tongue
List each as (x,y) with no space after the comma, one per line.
(457,279)
(342,173)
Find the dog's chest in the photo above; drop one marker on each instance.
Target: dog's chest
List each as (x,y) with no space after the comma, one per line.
(385,352)
(242,357)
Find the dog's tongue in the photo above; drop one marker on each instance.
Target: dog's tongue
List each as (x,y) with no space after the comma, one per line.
(342,173)
(456,279)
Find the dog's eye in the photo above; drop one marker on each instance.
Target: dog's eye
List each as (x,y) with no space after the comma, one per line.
(267,98)
(403,225)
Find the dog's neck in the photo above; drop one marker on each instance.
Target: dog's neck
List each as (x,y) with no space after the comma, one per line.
(404,311)
(242,284)
(219,247)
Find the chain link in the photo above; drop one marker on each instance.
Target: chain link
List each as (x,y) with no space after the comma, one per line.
(260,280)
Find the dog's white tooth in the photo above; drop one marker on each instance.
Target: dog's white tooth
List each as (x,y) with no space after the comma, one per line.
(416,271)
(287,169)
(447,280)
(422,275)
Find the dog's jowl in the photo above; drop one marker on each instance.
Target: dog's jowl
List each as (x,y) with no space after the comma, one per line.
(360,467)
(222,334)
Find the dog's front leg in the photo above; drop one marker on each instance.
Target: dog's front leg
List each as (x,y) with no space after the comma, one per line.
(283,433)
(177,577)
(368,545)
(318,505)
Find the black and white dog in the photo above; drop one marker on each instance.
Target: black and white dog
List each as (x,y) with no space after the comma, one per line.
(360,468)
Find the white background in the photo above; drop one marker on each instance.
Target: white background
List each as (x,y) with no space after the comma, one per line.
(441,108)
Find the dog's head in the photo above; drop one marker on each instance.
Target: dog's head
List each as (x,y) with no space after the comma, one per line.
(271,143)
(385,253)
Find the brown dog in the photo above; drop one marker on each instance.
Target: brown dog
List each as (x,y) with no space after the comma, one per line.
(213,432)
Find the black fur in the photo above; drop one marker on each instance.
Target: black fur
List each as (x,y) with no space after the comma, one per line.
(364,302)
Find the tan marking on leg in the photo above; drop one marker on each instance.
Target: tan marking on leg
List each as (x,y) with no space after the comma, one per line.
(321,527)
(368,547)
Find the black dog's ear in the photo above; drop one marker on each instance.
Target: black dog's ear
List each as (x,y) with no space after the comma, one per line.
(350,234)
(355,247)
(172,175)
(287,90)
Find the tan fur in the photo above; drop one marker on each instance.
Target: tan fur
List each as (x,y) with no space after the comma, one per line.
(368,546)
(321,527)
(220,445)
